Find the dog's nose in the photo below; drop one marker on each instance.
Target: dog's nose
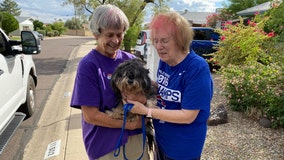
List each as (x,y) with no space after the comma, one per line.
(130,81)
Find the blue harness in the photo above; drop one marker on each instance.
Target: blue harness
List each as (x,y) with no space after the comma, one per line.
(126,108)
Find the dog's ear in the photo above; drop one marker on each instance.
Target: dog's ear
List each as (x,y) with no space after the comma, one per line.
(115,89)
(113,84)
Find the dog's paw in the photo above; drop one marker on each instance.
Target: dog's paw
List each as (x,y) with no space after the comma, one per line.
(109,113)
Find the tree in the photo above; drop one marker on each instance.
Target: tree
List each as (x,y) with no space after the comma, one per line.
(8,22)
(58,26)
(11,7)
(73,24)
(38,25)
(134,10)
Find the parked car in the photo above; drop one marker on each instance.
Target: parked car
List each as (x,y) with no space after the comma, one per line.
(40,36)
(205,38)
(142,44)
(18,80)
(203,44)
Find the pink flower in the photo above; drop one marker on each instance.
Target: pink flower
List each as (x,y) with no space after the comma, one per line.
(271,34)
(223,38)
(229,23)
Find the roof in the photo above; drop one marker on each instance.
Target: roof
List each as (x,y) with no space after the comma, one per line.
(196,17)
(251,11)
(22,19)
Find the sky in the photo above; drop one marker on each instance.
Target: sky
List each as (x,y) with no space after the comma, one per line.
(48,11)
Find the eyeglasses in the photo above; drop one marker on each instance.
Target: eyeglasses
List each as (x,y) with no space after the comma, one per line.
(163,41)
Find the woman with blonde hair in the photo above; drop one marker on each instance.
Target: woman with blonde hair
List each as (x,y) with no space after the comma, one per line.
(185,90)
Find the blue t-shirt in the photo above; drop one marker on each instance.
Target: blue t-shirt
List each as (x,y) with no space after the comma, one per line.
(189,86)
(92,88)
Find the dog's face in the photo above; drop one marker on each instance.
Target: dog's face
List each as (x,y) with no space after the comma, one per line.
(131,80)
(134,97)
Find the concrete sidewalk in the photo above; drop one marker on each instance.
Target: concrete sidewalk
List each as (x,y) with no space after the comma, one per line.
(58,134)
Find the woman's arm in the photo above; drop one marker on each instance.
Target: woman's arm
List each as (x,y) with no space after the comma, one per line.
(182,116)
(92,115)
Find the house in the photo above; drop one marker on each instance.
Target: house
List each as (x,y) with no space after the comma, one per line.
(259,8)
(197,19)
(25,24)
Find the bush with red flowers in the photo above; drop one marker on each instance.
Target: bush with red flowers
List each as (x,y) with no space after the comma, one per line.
(252,65)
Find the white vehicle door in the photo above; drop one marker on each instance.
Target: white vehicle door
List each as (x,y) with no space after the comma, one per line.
(11,91)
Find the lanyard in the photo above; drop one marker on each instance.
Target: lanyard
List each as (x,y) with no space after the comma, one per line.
(126,108)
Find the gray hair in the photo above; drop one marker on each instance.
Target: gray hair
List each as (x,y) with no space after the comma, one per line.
(108,17)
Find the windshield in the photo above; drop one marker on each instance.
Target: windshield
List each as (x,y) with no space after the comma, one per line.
(205,34)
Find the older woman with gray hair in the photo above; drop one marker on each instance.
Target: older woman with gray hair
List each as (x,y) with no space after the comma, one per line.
(93,93)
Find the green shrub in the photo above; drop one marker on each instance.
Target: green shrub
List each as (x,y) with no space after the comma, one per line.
(242,43)
(56,33)
(8,22)
(252,70)
(276,20)
(42,32)
(50,33)
(255,86)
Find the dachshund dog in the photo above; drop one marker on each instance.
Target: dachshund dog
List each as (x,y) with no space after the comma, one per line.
(132,78)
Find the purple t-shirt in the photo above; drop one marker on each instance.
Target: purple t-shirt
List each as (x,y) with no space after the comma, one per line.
(92,88)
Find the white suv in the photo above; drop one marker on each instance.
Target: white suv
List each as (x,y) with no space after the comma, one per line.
(17,82)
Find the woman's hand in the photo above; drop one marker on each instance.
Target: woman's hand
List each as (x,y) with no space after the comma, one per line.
(138,107)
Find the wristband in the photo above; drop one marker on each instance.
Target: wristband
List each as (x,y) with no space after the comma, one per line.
(149,114)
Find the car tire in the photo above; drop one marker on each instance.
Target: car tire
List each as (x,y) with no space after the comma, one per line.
(29,106)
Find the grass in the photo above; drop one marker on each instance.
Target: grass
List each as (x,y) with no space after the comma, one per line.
(15,38)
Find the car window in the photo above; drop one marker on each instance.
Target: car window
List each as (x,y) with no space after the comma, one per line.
(205,34)
(200,35)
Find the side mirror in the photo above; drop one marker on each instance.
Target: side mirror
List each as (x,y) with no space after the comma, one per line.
(30,43)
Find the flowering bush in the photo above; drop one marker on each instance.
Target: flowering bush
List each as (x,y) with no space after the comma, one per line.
(276,20)
(212,20)
(252,70)
(242,43)
(255,86)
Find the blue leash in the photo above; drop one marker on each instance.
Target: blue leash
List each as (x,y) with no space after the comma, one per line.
(126,108)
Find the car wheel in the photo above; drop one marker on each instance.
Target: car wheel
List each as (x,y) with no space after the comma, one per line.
(29,106)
